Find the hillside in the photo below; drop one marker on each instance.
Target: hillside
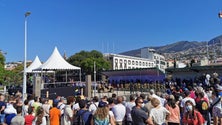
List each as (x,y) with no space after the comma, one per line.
(186,49)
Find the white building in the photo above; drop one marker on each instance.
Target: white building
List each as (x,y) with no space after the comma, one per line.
(128,62)
(151,54)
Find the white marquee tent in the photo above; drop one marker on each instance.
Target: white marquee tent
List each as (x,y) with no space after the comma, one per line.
(56,62)
(35,64)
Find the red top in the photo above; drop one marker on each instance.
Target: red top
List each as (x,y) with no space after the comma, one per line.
(29,119)
(197,119)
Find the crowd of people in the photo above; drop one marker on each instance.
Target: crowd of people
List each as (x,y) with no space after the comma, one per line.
(187,105)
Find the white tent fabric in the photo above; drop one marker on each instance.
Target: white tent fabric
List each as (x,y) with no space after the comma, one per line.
(56,62)
(35,64)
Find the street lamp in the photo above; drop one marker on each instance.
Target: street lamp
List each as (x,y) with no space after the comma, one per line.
(25,56)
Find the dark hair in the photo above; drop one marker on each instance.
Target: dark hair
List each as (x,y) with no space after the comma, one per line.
(143,96)
(137,100)
(30,110)
(26,102)
(36,98)
(171,103)
(110,100)
(19,109)
(70,99)
(82,104)
(95,99)
(113,95)
(132,97)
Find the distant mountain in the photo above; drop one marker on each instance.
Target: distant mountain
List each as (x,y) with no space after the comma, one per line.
(187,49)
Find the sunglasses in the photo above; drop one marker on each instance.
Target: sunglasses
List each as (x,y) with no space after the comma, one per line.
(140,102)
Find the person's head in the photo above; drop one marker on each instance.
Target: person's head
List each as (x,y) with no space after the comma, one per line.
(70,100)
(119,99)
(155,102)
(102,111)
(113,95)
(2,97)
(187,93)
(139,102)
(39,111)
(19,109)
(95,99)
(30,110)
(36,99)
(110,100)
(152,91)
(189,106)
(26,102)
(132,98)
(143,96)
(82,104)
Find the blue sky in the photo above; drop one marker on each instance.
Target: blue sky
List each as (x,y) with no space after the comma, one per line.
(105,25)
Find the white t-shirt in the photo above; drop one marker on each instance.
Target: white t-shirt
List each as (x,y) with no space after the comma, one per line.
(119,112)
(93,107)
(75,106)
(159,115)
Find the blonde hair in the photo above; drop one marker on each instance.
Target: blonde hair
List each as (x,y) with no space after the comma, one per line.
(155,102)
(101,113)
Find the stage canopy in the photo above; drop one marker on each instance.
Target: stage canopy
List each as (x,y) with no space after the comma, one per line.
(35,64)
(56,62)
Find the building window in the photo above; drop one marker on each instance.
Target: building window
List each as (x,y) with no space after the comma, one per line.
(132,62)
(140,63)
(129,62)
(137,63)
(116,63)
(143,63)
(125,64)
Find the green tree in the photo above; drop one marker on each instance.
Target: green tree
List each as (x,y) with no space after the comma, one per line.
(85,60)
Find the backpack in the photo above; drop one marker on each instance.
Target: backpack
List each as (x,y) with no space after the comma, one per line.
(78,120)
(101,122)
(203,107)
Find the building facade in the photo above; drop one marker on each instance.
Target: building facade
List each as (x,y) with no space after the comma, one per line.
(128,62)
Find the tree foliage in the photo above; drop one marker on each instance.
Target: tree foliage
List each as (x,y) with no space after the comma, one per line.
(85,60)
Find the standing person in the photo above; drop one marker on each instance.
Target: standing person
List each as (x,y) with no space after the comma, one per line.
(94,105)
(29,118)
(61,105)
(46,106)
(68,112)
(18,119)
(84,113)
(159,113)
(39,117)
(139,116)
(54,115)
(203,107)
(192,116)
(183,101)
(101,116)
(173,108)
(2,108)
(119,111)
(129,105)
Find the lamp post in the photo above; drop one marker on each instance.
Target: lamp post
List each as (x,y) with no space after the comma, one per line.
(95,78)
(25,56)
